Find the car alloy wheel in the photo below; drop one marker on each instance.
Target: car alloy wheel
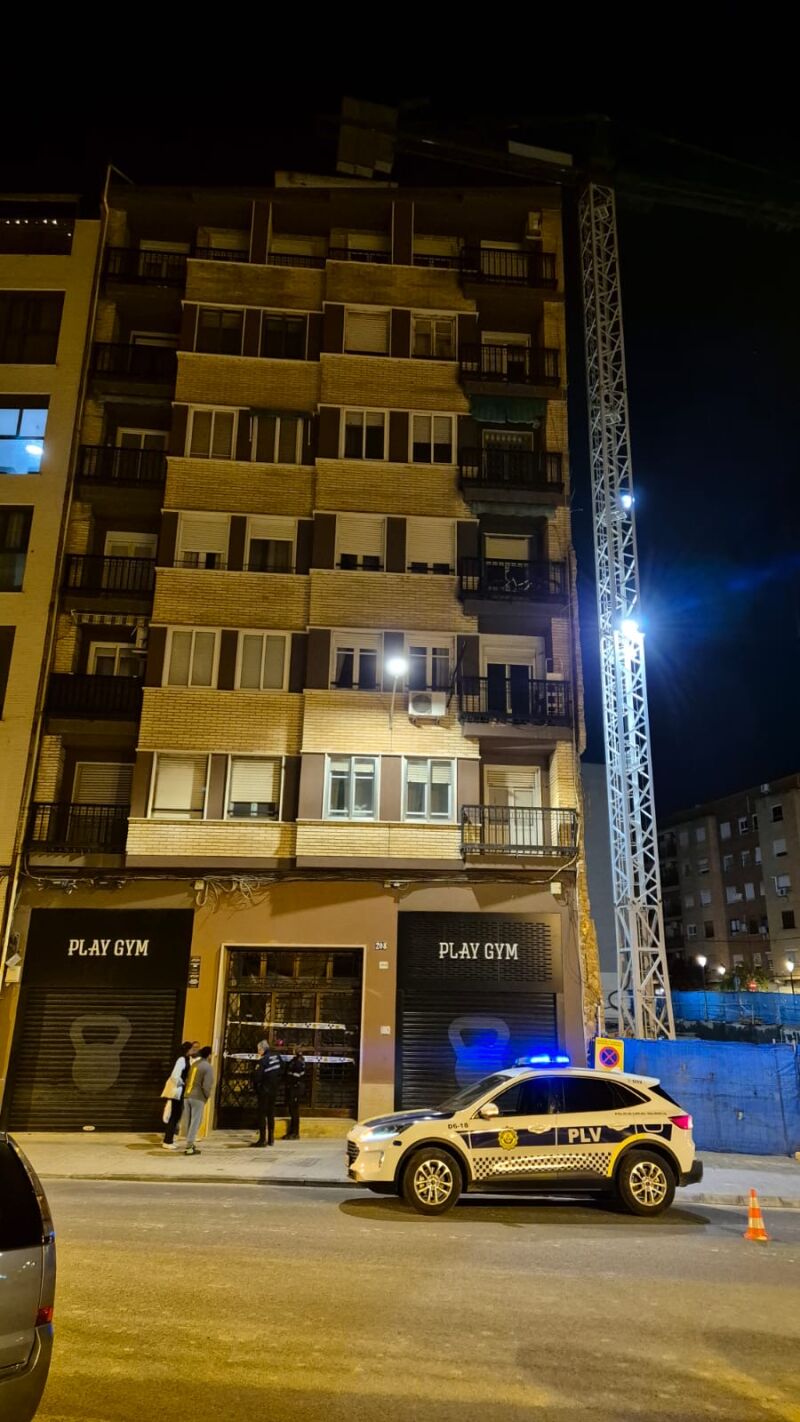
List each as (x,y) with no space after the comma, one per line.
(648,1184)
(433,1181)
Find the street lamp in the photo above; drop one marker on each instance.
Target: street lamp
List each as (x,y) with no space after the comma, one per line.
(790,971)
(397,668)
(701,961)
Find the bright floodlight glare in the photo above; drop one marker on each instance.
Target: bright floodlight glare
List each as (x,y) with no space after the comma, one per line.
(701,960)
(627,501)
(33,449)
(629,627)
(790,965)
(721,971)
(397,666)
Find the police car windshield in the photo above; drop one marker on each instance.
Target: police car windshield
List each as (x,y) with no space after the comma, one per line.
(473,1092)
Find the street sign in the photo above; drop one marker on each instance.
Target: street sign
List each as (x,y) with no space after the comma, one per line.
(609,1054)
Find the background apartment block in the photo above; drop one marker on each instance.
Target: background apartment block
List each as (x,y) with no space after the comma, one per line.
(310,750)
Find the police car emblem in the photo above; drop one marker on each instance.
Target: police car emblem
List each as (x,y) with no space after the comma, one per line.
(507,1139)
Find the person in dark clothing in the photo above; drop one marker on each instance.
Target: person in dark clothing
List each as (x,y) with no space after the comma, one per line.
(266,1080)
(178,1075)
(295,1077)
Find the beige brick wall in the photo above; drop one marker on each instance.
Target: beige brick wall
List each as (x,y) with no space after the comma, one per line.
(554,331)
(391,383)
(406,601)
(557,436)
(92,423)
(49,768)
(174,718)
(117,230)
(79,531)
(551,240)
(559,534)
(239,488)
(361,284)
(65,654)
(403,489)
(247,381)
(563,787)
(353,722)
(106,326)
(242,284)
(399,841)
(217,838)
(207,598)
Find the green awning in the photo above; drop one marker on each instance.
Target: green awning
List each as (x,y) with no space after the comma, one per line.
(495,410)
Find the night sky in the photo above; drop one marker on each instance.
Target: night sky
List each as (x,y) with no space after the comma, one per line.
(712,315)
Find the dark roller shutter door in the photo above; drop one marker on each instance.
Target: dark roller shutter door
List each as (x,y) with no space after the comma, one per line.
(444,1043)
(93,1058)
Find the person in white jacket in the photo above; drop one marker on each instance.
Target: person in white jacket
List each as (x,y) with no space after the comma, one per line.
(178,1075)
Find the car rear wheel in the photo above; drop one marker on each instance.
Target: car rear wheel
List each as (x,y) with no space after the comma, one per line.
(645,1183)
(431,1181)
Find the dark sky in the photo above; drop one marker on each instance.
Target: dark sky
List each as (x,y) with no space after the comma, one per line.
(712,315)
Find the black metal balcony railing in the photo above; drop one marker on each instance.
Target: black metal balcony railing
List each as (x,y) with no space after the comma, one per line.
(58,825)
(441,261)
(510,364)
(108,464)
(517,701)
(505,578)
(359,254)
(154,363)
(222,254)
(151,268)
(96,697)
(670,878)
(502,829)
(94,573)
(509,268)
(509,469)
(295,259)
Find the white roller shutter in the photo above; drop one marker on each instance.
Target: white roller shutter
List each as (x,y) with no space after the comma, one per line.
(180,787)
(254,785)
(367,332)
(282,529)
(360,536)
(201,533)
(102,783)
(430,542)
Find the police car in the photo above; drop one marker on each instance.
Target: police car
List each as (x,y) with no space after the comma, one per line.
(537,1128)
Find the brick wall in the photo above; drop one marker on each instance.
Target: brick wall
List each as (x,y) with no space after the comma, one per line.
(317,838)
(174,718)
(247,381)
(65,654)
(410,489)
(407,601)
(243,284)
(380,381)
(563,787)
(49,768)
(220,838)
(361,284)
(232,487)
(352,722)
(207,598)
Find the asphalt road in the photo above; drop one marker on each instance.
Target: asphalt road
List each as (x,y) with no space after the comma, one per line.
(265,1304)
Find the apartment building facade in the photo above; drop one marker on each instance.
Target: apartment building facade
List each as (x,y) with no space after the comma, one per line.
(730,875)
(309,762)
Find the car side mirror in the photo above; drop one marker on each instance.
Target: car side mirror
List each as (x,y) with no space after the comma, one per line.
(489,1110)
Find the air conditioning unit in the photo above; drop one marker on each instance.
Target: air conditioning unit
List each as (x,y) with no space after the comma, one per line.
(782,893)
(533,227)
(765,789)
(427,703)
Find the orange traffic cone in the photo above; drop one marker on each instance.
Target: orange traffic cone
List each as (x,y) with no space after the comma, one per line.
(755,1220)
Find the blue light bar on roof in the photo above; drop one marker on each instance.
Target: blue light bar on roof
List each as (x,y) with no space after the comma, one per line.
(543,1059)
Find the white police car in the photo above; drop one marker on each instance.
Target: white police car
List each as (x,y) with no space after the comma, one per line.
(536,1128)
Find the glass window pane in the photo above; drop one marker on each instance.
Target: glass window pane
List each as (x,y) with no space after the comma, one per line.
(440,660)
(9,423)
(417,668)
(273,662)
(201,433)
(442,439)
(265,439)
(345,659)
(287,440)
(415,799)
(368,669)
(250,668)
(222,440)
(421,452)
(364,789)
(105,663)
(374,440)
(33,423)
(353,435)
(180,653)
(440,800)
(203,661)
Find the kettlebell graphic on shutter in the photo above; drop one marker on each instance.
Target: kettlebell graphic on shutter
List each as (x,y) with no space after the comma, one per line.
(479,1043)
(96,1064)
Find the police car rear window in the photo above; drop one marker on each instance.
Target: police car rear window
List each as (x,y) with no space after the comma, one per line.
(659,1091)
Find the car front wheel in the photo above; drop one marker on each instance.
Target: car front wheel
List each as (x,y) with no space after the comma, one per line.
(645,1183)
(431,1181)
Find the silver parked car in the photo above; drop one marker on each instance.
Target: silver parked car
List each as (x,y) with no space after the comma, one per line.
(27,1285)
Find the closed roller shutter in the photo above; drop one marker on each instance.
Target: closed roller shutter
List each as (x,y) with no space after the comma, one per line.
(102,783)
(444,1043)
(430,544)
(203,536)
(367,332)
(360,540)
(93,1058)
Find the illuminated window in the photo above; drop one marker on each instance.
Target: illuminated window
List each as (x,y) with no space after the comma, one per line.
(351,790)
(262,661)
(429,789)
(179,787)
(22,425)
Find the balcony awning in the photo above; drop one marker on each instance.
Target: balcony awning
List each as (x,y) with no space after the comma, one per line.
(497,410)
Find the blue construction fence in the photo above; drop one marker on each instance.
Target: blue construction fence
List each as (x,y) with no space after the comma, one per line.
(743,1097)
(779,1009)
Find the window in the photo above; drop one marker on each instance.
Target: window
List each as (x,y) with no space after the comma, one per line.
(776,813)
(783,884)
(279,439)
(219,332)
(22,425)
(432,439)
(202,540)
(364,434)
(727,862)
(355,661)
(745,858)
(683,839)
(212,434)
(705,898)
(191,658)
(688,901)
(583,1094)
(179,787)
(708,929)
(360,542)
(29,325)
(351,788)
(434,337)
(21,1218)
(262,661)
(430,545)
(758,854)
(725,829)
(750,891)
(429,790)
(133,438)
(787,918)
(270,545)
(779,848)
(116,659)
(700,834)
(702,866)
(744,824)
(15,531)
(254,787)
(691,930)
(124,543)
(732,895)
(283,337)
(366,332)
(429,664)
(752,925)
(509,1102)
(755,823)
(7,636)
(737,925)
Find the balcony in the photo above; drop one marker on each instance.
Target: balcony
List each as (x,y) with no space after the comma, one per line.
(94,573)
(523,833)
(500,266)
(506,580)
(515,701)
(509,365)
(60,826)
(154,365)
(133,264)
(295,259)
(124,468)
(359,254)
(221,254)
(509,473)
(94,697)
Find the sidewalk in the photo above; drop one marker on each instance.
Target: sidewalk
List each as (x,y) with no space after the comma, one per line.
(227,1157)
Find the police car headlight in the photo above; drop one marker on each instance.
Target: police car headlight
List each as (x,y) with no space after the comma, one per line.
(382,1133)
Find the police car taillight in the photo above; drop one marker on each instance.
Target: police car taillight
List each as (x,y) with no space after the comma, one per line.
(685,1122)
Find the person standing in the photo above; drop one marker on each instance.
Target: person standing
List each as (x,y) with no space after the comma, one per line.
(199,1086)
(295,1077)
(266,1079)
(178,1076)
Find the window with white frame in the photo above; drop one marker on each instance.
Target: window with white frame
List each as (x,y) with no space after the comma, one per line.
(702,866)
(355,660)
(700,834)
(691,930)
(745,857)
(430,659)
(732,894)
(432,439)
(360,540)
(211,434)
(278,439)
(430,545)
(363,434)
(270,545)
(783,883)
(254,788)
(705,897)
(219,331)
(202,540)
(738,925)
(433,337)
(351,787)
(366,332)
(262,661)
(750,891)
(428,789)
(191,657)
(727,862)
(117,659)
(744,824)
(779,848)
(725,829)
(776,813)
(688,901)
(179,787)
(757,855)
